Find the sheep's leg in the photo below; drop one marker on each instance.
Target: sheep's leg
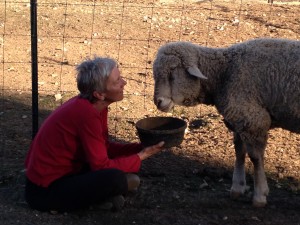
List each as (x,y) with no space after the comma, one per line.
(251,123)
(238,180)
(261,189)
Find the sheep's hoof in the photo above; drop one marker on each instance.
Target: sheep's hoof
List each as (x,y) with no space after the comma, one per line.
(235,194)
(259,204)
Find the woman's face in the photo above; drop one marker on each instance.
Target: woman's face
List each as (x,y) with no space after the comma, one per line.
(115,86)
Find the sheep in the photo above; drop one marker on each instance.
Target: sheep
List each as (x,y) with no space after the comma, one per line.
(254,85)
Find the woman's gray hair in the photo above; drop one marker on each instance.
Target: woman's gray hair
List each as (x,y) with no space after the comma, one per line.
(92,75)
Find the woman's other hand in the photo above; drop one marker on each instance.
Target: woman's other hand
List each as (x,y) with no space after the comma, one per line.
(151,150)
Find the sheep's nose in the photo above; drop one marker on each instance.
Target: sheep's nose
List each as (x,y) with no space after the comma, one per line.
(158,102)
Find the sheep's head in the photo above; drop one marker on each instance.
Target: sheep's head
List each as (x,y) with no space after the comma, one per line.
(177,77)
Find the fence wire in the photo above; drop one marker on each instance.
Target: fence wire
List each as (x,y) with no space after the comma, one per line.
(69,31)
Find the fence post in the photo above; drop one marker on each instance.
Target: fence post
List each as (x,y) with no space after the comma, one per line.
(34,66)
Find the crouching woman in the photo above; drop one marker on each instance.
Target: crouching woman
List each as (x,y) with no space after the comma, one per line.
(71,163)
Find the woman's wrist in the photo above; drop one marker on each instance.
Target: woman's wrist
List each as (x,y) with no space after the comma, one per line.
(143,155)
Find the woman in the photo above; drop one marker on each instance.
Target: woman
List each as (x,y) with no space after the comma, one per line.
(71,163)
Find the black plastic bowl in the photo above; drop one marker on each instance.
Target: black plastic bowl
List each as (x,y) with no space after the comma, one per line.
(152,130)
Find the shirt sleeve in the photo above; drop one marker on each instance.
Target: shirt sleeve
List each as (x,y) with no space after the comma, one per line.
(94,144)
(118,149)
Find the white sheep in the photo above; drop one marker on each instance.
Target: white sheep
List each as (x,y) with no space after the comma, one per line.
(254,85)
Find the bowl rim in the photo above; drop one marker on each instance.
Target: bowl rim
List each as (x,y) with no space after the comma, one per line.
(177,130)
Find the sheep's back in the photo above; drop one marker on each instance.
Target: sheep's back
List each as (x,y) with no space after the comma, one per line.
(268,70)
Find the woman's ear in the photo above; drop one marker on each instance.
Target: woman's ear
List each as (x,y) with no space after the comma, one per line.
(99,96)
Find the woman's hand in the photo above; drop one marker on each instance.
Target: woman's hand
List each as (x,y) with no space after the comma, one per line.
(151,150)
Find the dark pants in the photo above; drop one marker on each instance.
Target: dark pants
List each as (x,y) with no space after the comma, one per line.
(76,191)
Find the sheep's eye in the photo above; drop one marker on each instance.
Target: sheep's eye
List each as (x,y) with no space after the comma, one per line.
(172,75)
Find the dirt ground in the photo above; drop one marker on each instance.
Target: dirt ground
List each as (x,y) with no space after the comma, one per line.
(185,185)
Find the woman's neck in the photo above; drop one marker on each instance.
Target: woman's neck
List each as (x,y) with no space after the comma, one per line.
(100,105)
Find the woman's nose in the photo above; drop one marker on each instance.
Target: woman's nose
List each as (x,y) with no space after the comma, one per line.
(124,81)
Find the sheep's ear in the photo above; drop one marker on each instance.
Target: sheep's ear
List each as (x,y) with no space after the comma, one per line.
(194,70)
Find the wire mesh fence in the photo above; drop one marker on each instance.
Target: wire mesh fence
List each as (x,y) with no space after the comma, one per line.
(68,31)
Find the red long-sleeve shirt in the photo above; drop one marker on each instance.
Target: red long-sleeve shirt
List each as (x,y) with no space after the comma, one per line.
(73,135)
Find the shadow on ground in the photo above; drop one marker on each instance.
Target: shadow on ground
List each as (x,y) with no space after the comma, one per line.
(175,188)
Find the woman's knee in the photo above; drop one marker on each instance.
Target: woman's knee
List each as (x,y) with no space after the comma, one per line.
(117,179)
(118,176)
